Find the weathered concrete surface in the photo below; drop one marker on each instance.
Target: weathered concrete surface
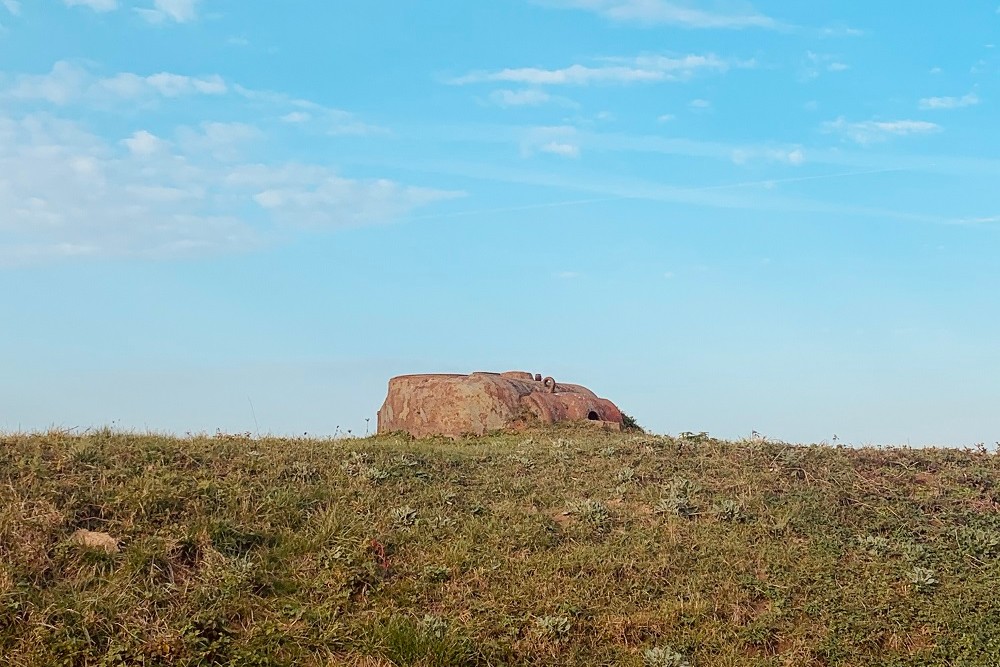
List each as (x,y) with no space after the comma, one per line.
(456,405)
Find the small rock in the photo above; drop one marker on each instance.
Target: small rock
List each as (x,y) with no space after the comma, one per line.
(99,541)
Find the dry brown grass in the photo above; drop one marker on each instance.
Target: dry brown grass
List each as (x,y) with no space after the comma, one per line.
(568,547)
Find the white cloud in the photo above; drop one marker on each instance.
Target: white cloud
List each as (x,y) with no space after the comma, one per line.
(567,275)
(561,140)
(67,193)
(664,12)
(310,197)
(949,102)
(871,131)
(173,85)
(561,149)
(982,66)
(665,118)
(699,105)
(612,71)
(813,64)
(519,98)
(179,11)
(840,31)
(68,82)
(985,220)
(297,117)
(96,5)
(936,70)
(792,156)
(12,6)
(165,84)
(329,121)
(144,144)
(225,142)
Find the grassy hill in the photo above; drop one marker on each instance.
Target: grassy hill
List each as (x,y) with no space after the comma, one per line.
(560,547)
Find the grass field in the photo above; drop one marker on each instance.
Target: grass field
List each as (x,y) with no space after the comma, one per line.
(559,547)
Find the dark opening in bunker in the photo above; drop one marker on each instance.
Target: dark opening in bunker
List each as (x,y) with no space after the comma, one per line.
(593,416)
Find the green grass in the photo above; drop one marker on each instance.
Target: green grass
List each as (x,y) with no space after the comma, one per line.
(561,547)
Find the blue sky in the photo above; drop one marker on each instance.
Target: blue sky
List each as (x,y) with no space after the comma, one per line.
(727,217)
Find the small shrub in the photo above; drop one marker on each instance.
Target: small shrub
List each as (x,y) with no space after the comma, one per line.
(731,510)
(555,628)
(923,579)
(630,424)
(874,545)
(625,476)
(302,472)
(440,522)
(435,626)
(375,474)
(663,657)
(678,499)
(593,513)
(404,516)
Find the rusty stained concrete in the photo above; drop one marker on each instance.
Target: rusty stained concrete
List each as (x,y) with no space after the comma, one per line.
(456,405)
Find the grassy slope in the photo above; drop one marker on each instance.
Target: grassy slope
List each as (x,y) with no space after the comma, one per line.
(559,547)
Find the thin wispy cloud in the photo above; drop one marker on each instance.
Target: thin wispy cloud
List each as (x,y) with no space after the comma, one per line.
(664,12)
(529,97)
(225,142)
(983,220)
(12,6)
(560,140)
(310,115)
(561,149)
(639,69)
(873,131)
(68,83)
(969,100)
(164,11)
(297,117)
(793,156)
(841,31)
(96,5)
(814,64)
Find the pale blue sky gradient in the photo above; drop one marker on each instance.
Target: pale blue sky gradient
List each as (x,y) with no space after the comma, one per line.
(724,216)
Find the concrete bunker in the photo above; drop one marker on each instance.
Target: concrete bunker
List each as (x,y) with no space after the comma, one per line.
(456,405)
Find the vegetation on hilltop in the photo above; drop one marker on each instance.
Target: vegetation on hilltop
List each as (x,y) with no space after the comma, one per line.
(558,547)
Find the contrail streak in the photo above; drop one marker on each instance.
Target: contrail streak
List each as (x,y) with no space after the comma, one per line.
(679,190)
